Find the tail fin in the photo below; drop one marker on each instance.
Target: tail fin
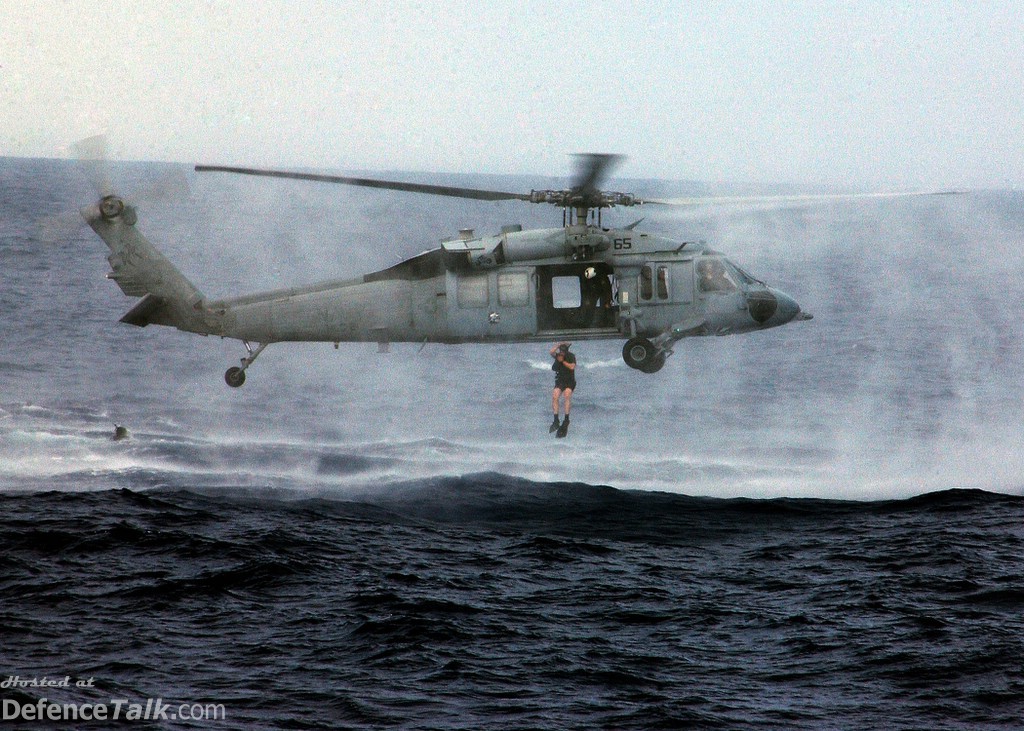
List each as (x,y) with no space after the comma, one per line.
(169,298)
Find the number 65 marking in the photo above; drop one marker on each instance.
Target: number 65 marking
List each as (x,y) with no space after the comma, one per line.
(626,243)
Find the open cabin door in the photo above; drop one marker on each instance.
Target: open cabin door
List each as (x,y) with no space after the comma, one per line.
(576,297)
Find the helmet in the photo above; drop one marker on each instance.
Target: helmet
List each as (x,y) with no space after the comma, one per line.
(590,272)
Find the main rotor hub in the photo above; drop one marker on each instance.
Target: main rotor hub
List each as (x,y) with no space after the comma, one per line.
(111,207)
(581,199)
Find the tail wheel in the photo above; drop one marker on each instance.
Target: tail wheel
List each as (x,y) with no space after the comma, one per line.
(234,377)
(639,353)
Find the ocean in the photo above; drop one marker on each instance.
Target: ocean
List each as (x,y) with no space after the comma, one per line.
(812,527)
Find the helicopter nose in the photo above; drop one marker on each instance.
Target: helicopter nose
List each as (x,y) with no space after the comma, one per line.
(788,310)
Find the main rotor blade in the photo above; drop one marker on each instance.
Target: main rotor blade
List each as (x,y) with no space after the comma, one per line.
(591,170)
(483,195)
(784,200)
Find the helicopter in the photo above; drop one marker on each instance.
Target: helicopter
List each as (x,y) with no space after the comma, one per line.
(581,281)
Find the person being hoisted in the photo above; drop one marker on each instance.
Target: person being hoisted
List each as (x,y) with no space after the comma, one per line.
(565,383)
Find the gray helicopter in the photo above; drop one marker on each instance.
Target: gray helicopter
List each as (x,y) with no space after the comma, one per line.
(578,282)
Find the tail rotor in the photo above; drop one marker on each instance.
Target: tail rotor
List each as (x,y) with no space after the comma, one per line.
(92,155)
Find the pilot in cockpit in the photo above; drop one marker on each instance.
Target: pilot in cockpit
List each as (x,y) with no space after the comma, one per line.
(714,277)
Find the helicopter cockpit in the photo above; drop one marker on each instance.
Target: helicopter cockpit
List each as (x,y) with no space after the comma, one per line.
(713,275)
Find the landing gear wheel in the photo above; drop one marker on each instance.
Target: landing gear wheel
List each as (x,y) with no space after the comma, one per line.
(656,364)
(639,352)
(234,377)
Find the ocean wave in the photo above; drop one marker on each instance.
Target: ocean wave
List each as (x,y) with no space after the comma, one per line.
(496,499)
(545,365)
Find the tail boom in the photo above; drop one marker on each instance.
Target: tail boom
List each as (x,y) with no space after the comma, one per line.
(140,270)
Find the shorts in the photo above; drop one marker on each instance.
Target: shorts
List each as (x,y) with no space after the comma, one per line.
(565,384)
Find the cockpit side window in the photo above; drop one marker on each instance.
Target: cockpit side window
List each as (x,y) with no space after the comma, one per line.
(714,276)
(646,283)
(663,282)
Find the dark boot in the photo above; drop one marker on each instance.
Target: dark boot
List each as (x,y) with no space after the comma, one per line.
(555,426)
(563,429)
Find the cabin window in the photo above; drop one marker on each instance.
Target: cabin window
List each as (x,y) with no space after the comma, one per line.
(663,283)
(714,277)
(565,292)
(473,291)
(646,283)
(514,289)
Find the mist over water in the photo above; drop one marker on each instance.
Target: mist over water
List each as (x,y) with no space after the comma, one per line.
(905,382)
(394,540)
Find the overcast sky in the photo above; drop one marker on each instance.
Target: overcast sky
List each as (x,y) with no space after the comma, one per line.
(869,94)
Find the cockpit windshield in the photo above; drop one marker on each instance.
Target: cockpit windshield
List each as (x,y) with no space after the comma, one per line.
(715,276)
(744,277)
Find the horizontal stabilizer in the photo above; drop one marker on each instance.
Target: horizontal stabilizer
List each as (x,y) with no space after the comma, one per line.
(143,309)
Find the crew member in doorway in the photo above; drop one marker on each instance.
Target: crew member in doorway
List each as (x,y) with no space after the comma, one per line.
(565,383)
(598,296)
